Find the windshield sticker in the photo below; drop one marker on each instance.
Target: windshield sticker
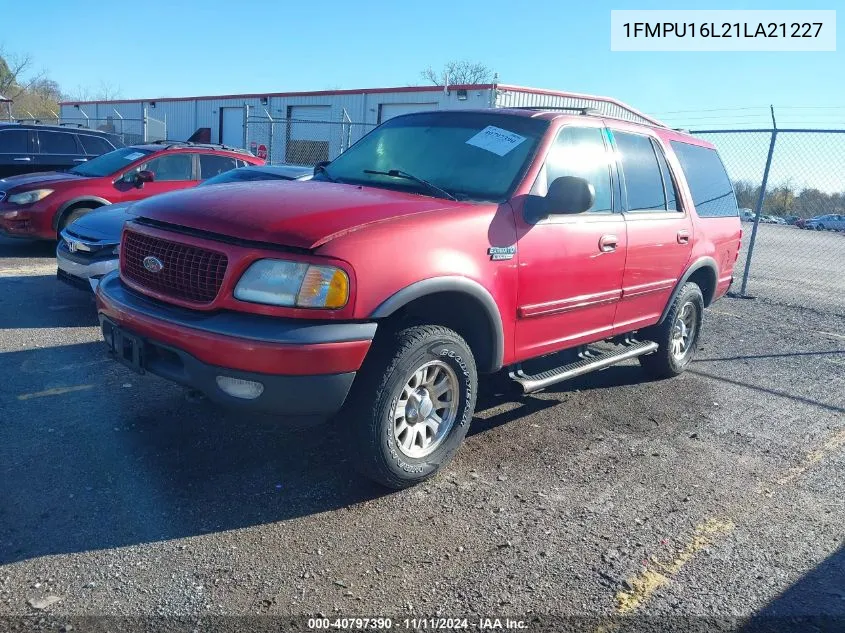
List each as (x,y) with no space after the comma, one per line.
(134,156)
(495,139)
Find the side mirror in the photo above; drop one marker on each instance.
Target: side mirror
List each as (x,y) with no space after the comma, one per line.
(568,195)
(320,166)
(144,176)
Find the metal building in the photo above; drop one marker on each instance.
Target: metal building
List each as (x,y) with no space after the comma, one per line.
(305,127)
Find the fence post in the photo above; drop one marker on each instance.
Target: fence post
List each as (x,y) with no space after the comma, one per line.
(246,126)
(144,125)
(758,209)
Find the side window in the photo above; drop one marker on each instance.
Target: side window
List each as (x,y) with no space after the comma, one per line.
(14,141)
(668,183)
(57,143)
(171,167)
(711,189)
(213,165)
(643,179)
(580,151)
(94,145)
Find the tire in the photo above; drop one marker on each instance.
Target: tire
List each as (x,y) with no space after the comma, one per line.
(392,442)
(71,217)
(676,346)
(820,227)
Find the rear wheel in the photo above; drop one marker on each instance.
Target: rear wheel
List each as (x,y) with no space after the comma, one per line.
(676,336)
(412,404)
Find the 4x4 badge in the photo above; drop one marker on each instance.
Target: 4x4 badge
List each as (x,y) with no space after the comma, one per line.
(497,253)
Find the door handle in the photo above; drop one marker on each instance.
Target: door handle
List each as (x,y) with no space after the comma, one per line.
(25,159)
(683,237)
(608,243)
(80,160)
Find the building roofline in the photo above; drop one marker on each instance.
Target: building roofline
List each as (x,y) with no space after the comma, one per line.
(306,93)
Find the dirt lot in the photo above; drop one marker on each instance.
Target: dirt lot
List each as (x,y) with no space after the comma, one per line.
(720,493)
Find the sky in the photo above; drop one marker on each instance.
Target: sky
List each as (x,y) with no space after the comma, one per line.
(159,49)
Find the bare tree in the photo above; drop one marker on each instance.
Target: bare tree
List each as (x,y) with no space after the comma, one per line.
(106,91)
(459,72)
(15,74)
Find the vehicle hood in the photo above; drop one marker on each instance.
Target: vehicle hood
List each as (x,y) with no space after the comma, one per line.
(299,214)
(38,178)
(103,224)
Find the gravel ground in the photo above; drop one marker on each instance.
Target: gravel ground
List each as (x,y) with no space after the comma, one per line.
(719,493)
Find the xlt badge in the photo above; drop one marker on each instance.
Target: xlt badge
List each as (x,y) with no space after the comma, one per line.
(498,253)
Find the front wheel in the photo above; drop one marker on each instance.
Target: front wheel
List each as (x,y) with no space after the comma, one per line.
(676,336)
(412,404)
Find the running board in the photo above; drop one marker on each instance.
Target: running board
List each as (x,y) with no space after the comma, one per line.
(587,364)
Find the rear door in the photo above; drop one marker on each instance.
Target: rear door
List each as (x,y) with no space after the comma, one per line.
(58,150)
(17,151)
(659,229)
(571,266)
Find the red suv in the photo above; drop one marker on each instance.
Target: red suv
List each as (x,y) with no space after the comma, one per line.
(537,245)
(40,205)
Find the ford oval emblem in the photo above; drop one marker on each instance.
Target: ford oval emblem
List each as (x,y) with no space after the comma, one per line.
(153,264)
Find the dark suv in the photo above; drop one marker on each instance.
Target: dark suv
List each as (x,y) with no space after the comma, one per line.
(26,147)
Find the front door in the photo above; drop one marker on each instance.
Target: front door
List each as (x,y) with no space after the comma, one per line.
(659,230)
(171,171)
(571,266)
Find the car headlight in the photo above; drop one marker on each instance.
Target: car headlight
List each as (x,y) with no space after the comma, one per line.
(293,284)
(29,197)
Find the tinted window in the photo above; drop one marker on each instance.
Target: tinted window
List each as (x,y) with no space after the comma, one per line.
(708,181)
(581,152)
(641,171)
(473,155)
(171,167)
(211,165)
(14,141)
(57,143)
(108,164)
(668,183)
(94,145)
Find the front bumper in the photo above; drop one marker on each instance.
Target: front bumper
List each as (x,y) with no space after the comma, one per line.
(306,367)
(83,275)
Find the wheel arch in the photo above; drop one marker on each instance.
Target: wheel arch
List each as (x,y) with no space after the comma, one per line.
(704,272)
(95,201)
(471,310)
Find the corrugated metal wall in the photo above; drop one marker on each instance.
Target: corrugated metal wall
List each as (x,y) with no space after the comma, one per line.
(509,98)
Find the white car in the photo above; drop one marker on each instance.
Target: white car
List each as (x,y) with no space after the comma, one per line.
(829,222)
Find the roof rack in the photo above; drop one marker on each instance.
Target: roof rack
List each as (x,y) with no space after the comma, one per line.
(174,144)
(584,111)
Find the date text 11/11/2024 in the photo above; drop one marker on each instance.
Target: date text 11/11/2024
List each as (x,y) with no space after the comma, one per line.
(726,29)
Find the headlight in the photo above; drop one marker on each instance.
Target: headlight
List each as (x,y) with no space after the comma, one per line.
(29,197)
(293,284)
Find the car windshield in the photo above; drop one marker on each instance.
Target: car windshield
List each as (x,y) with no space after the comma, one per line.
(107,164)
(243,175)
(469,155)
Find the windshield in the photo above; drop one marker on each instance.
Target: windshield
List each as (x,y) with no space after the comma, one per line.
(107,164)
(243,175)
(470,155)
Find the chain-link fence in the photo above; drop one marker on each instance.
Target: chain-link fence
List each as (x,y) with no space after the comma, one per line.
(299,141)
(790,187)
(130,131)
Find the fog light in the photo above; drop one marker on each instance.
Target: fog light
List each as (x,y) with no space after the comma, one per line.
(237,388)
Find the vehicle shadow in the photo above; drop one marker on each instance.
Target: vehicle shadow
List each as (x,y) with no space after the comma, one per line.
(41,301)
(816,602)
(22,249)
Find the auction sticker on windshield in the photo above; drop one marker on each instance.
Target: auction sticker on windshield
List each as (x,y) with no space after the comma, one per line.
(495,139)
(133,156)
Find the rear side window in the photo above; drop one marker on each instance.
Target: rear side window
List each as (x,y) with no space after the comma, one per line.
(668,183)
(57,143)
(643,178)
(212,165)
(94,145)
(708,181)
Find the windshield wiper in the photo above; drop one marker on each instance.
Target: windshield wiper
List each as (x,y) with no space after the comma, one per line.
(398,173)
(321,169)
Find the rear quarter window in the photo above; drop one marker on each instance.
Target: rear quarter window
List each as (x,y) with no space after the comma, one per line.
(712,192)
